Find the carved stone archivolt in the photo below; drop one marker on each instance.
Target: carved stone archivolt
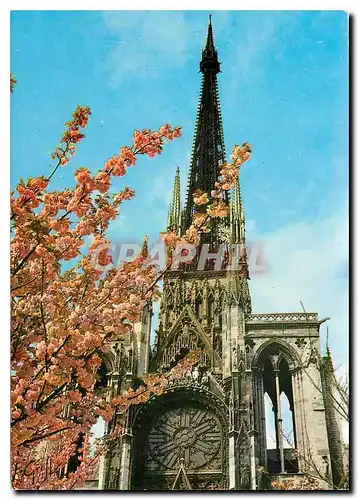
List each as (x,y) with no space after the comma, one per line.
(276,347)
(202,381)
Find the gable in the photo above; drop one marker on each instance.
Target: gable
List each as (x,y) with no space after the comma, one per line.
(187,334)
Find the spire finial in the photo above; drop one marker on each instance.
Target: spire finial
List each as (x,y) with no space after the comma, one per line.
(327,343)
(174,213)
(328,356)
(144,251)
(209,54)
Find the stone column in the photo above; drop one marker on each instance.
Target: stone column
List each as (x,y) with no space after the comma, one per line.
(233,465)
(259,415)
(147,339)
(253,461)
(226,342)
(301,442)
(279,421)
(262,430)
(205,306)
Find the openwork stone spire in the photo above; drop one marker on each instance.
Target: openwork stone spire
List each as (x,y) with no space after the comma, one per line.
(174,211)
(208,151)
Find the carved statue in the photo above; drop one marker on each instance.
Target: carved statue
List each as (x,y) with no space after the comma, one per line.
(231,413)
(234,359)
(196,375)
(205,378)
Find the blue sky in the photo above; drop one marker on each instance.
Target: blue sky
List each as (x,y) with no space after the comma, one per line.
(284,89)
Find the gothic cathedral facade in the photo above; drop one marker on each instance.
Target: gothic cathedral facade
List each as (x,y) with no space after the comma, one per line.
(208,431)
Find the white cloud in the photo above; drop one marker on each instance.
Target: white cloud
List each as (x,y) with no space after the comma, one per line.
(161,190)
(254,41)
(307,261)
(160,195)
(151,41)
(148,43)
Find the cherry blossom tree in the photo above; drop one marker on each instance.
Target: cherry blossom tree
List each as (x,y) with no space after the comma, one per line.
(13,82)
(65,308)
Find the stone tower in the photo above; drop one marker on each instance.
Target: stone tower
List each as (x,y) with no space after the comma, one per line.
(208,431)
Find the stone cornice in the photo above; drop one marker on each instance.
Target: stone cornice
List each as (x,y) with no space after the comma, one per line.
(280,321)
(256,329)
(283,317)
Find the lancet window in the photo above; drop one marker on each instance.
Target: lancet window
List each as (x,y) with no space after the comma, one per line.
(276,411)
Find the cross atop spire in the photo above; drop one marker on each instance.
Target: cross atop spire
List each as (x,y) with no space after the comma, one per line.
(210,43)
(209,53)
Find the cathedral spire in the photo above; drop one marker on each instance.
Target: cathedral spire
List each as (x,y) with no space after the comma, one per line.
(174,212)
(208,151)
